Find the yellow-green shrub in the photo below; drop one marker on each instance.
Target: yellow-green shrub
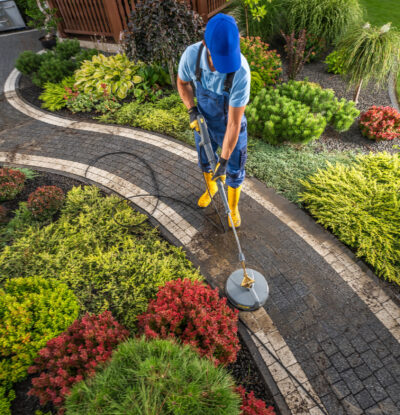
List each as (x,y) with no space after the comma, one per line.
(361,205)
(107,265)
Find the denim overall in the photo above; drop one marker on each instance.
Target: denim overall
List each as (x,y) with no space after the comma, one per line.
(214,108)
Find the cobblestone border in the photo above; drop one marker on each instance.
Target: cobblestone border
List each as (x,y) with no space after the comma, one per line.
(355,274)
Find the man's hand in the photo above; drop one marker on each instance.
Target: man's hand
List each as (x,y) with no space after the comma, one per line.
(220,170)
(193,113)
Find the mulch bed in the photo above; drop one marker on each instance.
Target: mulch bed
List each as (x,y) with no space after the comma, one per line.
(244,370)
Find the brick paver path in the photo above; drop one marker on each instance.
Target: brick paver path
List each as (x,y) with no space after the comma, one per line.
(334,325)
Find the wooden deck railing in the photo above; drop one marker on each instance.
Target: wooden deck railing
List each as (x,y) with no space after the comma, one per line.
(108,18)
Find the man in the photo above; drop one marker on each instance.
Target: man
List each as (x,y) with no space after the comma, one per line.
(221,76)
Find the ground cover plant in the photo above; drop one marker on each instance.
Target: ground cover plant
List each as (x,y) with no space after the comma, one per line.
(380,123)
(106,265)
(193,313)
(11,183)
(156,377)
(33,310)
(360,205)
(282,167)
(73,356)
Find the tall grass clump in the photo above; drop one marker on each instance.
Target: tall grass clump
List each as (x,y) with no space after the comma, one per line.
(369,54)
(326,19)
(156,377)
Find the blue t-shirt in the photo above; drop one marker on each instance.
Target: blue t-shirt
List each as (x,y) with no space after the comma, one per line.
(214,81)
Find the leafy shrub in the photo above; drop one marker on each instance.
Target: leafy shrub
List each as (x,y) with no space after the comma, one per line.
(166,116)
(360,204)
(54,95)
(157,377)
(334,62)
(323,19)
(193,313)
(73,356)
(11,183)
(265,62)
(28,62)
(340,114)
(107,266)
(251,405)
(380,123)
(160,30)
(33,310)
(53,66)
(45,201)
(297,54)
(276,118)
(80,101)
(6,397)
(117,72)
(257,84)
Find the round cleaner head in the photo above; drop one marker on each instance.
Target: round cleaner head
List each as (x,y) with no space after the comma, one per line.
(247,299)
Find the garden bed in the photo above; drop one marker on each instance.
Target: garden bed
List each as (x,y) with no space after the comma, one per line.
(244,370)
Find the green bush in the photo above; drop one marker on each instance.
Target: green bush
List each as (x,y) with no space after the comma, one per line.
(33,310)
(117,73)
(156,377)
(360,205)
(265,62)
(257,84)
(53,95)
(335,62)
(107,266)
(322,19)
(166,116)
(281,167)
(340,114)
(6,397)
(276,118)
(53,66)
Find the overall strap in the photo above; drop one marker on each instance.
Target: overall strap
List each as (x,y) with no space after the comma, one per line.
(198,69)
(228,82)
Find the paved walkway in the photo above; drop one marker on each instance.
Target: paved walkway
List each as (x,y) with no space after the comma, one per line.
(328,319)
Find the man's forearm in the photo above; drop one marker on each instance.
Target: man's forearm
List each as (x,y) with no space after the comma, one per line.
(186,93)
(230,139)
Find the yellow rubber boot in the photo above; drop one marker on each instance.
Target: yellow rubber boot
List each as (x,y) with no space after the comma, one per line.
(205,198)
(233,201)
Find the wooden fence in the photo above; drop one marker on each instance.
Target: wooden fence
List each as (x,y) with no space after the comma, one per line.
(108,18)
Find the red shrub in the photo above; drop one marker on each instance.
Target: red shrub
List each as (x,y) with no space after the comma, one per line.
(45,201)
(196,315)
(251,405)
(74,355)
(11,183)
(380,123)
(3,213)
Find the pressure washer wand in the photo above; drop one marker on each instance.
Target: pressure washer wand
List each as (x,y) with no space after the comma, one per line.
(206,144)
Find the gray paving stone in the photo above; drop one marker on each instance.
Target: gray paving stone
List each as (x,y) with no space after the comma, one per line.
(355,360)
(352,381)
(344,346)
(332,375)
(341,390)
(394,392)
(363,371)
(322,360)
(384,377)
(375,388)
(371,360)
(351,406)
(340,363)
(388,407)
(379,349)
(359,344)
(364,399)
(332,404)
(329,347)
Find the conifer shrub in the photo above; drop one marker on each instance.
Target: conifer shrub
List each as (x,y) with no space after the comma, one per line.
(33,310)
(11,183)
(261,59)
(74,356)
(360,205)
(193,313)
(380,123)
(276,118)
(251,405)
(108,266)
(45,201)
(155,377)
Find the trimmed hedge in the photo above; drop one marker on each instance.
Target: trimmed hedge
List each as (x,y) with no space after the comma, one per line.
(105,264)
(156,377)
(361,205)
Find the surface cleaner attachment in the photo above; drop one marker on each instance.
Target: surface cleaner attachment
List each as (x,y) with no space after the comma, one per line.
(246,289)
